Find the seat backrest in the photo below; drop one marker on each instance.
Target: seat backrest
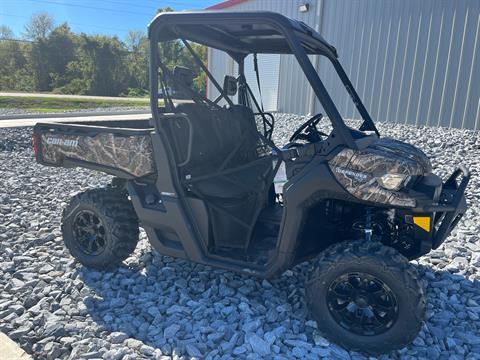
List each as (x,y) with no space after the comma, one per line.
(216,134)
(246,134)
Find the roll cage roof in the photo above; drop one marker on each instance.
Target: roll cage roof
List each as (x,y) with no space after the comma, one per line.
(242,33)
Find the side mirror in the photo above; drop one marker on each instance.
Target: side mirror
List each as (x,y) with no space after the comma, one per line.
(230,85)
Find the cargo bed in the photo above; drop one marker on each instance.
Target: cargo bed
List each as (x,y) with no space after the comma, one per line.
(121,148)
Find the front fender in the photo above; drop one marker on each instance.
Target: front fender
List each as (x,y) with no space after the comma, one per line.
(313,184)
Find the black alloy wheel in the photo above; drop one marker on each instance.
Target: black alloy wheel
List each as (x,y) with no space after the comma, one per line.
(362,303)
(89,232)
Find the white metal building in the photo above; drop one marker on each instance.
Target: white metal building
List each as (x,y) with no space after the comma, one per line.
(411,61)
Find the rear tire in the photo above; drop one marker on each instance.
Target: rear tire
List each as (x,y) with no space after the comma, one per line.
(366,297)
(100,227)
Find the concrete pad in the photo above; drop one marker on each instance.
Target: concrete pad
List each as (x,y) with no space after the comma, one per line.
(9,350)
(86,97)
(32,122)
(73,114)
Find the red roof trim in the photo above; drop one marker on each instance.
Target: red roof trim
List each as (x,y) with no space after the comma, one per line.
(225,4)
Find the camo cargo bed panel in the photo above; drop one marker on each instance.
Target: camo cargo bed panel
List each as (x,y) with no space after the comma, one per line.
(132,154)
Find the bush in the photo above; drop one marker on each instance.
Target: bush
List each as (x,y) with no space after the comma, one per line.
(135,92)
(75,86)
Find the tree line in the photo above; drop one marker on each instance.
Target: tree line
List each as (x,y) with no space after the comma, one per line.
(53,58)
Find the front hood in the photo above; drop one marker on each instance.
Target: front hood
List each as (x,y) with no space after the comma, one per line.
(357,170)
(393,156)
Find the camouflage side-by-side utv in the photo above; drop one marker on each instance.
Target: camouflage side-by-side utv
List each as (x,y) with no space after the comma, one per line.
(207,183)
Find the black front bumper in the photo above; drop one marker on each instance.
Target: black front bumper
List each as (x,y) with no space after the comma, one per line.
(448,210)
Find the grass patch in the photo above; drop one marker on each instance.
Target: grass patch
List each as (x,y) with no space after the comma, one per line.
(58,104)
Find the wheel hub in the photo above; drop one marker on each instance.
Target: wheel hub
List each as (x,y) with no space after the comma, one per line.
(362,303)
(89,232)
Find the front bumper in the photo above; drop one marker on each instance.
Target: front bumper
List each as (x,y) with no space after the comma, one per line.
(447,211)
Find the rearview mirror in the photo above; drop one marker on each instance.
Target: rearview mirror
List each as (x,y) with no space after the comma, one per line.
(230,85)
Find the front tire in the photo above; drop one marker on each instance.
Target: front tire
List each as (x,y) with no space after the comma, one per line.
(366,297)
(100,227)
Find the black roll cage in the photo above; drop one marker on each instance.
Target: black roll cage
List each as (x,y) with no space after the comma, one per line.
(242,33)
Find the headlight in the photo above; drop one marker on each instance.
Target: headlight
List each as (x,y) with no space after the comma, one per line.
(392,181)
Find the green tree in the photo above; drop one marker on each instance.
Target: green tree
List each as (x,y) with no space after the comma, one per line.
(56,59)
(5,33)
(50,57)
(39,26)
(164,9)
(14,72)
(99,67)
(137,61)
(174,53)
(186,58)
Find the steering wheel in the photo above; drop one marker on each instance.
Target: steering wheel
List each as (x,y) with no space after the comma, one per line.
(308,130)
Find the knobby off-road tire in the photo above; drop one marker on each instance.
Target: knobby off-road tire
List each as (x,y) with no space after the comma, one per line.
(381,262)
(108,216)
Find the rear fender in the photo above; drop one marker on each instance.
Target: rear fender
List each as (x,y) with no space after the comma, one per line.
(125,153)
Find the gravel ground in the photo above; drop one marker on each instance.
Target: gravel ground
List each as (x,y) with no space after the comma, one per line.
(158,307)
(5,111)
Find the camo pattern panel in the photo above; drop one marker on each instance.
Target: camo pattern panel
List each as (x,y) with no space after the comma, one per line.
(132,154)
(357,170)
(401,158)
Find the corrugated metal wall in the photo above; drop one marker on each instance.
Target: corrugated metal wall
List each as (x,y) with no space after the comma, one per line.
(269,67)
(411,61)
(293,93)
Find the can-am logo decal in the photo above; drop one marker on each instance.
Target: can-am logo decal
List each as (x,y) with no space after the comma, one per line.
(349,173)
(63,142)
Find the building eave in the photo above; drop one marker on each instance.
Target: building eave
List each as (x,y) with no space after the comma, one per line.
(225,4)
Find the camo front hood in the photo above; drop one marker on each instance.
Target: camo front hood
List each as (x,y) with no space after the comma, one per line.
(357,170)
(400,157)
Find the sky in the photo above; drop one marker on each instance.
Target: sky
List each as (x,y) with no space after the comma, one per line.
(111,17)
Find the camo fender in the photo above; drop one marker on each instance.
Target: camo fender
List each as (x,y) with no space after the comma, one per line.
(357,170)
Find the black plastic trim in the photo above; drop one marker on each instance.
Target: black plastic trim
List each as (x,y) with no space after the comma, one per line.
(458,203)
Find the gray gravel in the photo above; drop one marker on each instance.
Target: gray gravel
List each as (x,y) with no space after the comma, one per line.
(158,307)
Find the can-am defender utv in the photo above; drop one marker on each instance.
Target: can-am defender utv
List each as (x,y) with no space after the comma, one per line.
(199,178)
